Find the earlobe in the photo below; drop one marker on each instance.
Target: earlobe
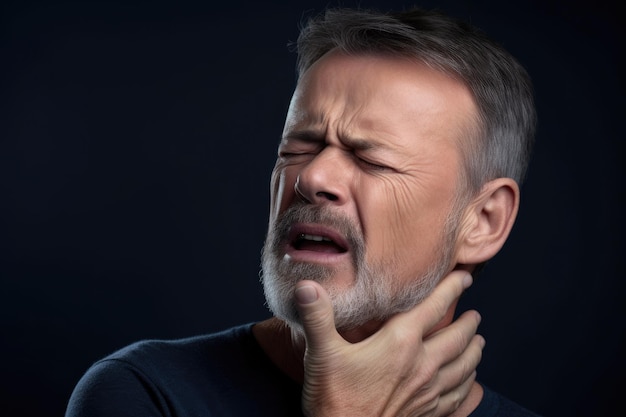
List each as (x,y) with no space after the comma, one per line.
(487,221)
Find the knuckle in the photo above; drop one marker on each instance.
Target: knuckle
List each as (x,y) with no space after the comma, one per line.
(458,340)
(439,306)
(466,370)
(426,406)
(456,400)
(427,375)
(317,319)
(401,338)
(405,346)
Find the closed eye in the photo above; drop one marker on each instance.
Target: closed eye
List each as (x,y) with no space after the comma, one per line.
(294,154)
(372,166)
(292,158)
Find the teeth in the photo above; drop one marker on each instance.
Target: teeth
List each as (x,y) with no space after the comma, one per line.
(314,237)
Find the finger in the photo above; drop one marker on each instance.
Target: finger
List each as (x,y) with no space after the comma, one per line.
(433,309)
(461,369)
(316,314)
(452,400)
(453,384)
(450,342)
(443,403)
(453,378)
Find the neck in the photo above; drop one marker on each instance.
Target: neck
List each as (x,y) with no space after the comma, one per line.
(286,347)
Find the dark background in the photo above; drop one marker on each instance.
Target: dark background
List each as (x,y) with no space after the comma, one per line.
(136,143)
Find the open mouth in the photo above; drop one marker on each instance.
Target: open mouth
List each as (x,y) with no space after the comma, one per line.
(316,238)
(317,243)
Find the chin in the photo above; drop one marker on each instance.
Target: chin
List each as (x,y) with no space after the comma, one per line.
(367,300)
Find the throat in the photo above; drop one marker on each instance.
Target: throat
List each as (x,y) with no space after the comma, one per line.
(283,348)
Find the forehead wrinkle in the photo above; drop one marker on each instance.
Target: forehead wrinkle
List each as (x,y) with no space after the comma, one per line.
(350,129)
(304,124)
(367,137)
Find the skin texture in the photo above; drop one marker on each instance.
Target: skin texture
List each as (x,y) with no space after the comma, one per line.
(400,186)
(383,156)
(375,139)
(428,374)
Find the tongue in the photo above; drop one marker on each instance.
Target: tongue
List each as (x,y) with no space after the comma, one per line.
(323,246)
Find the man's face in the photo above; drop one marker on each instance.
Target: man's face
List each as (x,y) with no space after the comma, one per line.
(364,186)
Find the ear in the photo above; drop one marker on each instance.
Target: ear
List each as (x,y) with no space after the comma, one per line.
(487,221)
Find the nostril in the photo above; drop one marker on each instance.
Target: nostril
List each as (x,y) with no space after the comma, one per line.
(329,196)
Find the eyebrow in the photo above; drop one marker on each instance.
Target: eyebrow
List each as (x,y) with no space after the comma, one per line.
(312,136)
(304,135)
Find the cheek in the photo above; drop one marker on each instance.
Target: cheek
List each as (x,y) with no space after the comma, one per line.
(405,228)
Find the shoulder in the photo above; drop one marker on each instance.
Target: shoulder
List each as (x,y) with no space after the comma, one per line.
(194,360)
(156,359)
(150,376)
(156,354)
(496,405)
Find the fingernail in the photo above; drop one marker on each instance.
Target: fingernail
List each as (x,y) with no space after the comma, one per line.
(483,342)
(306,294)
(467,281)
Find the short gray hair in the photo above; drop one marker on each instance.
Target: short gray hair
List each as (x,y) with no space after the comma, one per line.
(500,86)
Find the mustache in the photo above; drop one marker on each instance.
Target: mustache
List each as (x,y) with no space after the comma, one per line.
(301,212)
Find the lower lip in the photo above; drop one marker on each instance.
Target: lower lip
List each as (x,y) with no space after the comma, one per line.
(309,256)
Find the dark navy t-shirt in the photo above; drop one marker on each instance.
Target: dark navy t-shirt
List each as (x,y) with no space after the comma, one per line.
(222,374)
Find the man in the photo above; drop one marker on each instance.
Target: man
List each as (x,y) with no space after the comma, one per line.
(397,177)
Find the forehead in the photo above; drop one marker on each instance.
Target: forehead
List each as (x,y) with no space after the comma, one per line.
(380,92)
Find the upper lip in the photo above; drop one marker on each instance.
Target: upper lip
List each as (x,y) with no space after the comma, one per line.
(300,229)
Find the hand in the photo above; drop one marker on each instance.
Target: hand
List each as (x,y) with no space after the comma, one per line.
(404,369)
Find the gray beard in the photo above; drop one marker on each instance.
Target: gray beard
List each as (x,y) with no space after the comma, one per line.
(374,294)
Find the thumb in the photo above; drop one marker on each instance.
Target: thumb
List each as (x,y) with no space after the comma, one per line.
(316,314)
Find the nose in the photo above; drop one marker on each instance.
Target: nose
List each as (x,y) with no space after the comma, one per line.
(324,179)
